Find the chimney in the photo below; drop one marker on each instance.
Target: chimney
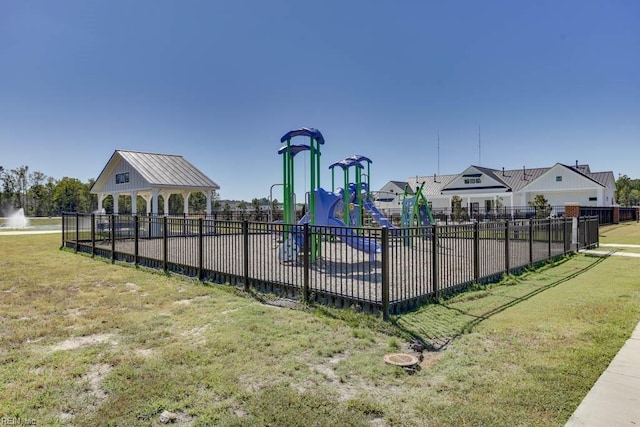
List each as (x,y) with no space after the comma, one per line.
(524,173)
(576,164)
(503,171)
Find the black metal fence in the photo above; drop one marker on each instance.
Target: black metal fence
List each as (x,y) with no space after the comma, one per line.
(378,270)
(606,214)
(629,214)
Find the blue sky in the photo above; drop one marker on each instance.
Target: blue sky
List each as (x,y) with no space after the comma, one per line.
(220,82)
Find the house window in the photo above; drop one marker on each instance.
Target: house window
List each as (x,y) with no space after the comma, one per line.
(122,178)
(558,178)
(472,181)
(593,199)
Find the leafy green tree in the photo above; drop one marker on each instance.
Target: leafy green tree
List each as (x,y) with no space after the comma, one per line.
(70,195)
(242,206)
(226,210)
(21,175)
(197,203)
(124,204)
(257,210)
(458,213)
(215,201)
(627,191)
(93,198)
(176,205)
(49,188)
(36,194)
(541,206)
(9,191)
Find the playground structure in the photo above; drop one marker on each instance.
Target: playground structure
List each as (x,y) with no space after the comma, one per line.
(416,213)
(352,192)
(322,204)
(342,207)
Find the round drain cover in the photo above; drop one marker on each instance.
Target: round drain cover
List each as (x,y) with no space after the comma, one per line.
(401,359)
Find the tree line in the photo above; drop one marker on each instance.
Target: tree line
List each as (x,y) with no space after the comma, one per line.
(40,195)
(628,191)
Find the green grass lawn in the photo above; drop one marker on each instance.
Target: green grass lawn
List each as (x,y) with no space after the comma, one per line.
(85,342)
(625,233)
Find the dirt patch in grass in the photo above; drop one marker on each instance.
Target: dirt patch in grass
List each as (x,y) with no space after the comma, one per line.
(84,341)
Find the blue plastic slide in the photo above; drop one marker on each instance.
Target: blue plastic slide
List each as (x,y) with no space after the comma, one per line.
(376,214)
(326,203)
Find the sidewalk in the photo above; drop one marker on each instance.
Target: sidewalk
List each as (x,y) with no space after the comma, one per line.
(614,399)
(26,232)
(612,252)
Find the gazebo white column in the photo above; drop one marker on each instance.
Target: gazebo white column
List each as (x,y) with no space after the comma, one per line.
(209,195)
(101,197)
(185,198)
(165,198)
(134,202)
(115,203)
(154,201)
(147,200)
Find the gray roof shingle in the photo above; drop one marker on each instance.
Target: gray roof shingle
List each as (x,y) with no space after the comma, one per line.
(515,179)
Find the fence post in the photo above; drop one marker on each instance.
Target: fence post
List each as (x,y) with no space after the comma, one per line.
(434,261)
(63,229)
(112,234)
(385,273)
(77,232)
(136,240)
(165,244)
(530,242)
(549,229)
(476,251)
(567,244)
(200,249)
(507,245)
(306,261)
(245,260)
(93,235)
(587,233)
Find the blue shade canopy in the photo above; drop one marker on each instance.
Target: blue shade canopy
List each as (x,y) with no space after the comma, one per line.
(314,133)
(360,158)
(294,149)
(346,163)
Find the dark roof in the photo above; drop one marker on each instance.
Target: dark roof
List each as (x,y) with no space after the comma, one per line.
(515,179)
(400,184)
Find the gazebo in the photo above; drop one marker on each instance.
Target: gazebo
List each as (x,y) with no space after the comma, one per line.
(151,175)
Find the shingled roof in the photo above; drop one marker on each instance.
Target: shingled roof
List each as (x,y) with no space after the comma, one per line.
(513,179)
